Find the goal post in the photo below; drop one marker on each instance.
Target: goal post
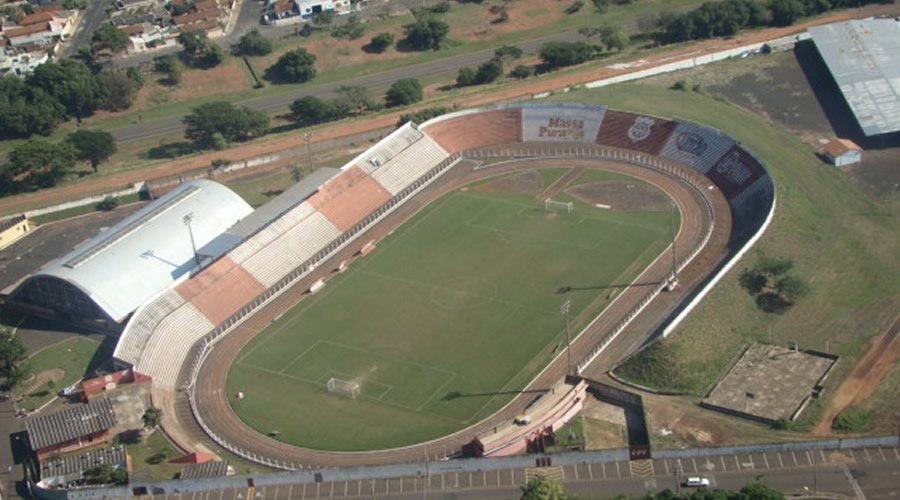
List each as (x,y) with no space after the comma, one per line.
(343,388)
(551,205)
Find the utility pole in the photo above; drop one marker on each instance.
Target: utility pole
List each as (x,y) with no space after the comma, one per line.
(674,259)
(308,137)
(893,193)
(564,310)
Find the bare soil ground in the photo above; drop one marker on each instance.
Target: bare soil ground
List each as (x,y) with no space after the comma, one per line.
(867,374)
(619,195)
(529,182)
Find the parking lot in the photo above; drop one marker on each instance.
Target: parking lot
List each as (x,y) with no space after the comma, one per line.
(640,472)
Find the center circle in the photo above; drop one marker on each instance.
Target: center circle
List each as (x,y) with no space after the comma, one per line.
(464,292)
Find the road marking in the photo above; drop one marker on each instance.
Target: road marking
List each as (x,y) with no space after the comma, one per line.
(603,468)
(722,458)
(484,478)
(766,460)
(859,492)
(794,456)
(897,453)
(780,461)
(882,453)
(866,451)
(737,463)
(666,464)
(618,472)
(591,471)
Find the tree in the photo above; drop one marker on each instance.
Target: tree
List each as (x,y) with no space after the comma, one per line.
(12,352)
(295,66)
(380,42)
(614,38)
(253,43)
(770,281)
(589,32)
(403,92)
(508,53)
(521,71)
(310,110)
(109,36)
(199,50)
(122,90)
(39,164)
(489,71)
(600,5)
(26,110)
(785,12)
(106,474)
(559,54)
(92,146)
(208,122)
(543,488)
(172,68)
(353,99)
(465,76)
(427,33)
(152,418)
(73,84)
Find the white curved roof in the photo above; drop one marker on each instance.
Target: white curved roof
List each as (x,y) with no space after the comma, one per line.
(146,253)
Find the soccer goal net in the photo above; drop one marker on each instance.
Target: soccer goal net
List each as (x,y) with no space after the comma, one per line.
(558,206)
(343,388)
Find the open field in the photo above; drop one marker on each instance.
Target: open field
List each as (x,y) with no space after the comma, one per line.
(443,323)
(56,367)
(841,242)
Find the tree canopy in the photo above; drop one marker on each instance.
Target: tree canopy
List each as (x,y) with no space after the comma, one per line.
(37,163)
(26,110)
(559,54)
(199,50)
(93,146)
(12,353)
(214,120)
(427,33)
(380,42)
(152,418)
(311,110)
(543,488)
(109,36)
(253,43)
(71,83)
(404,91)
(295,66)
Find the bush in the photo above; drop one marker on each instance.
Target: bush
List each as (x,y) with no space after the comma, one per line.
(852,419)
(254,44)
(380,42)
(521,71)
(404,91)
(107,204)
(575,7)
(679,85)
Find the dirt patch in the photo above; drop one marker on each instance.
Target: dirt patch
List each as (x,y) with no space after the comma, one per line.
(602,435)
(43,377)
(618,195)
(529,182)
(867,374)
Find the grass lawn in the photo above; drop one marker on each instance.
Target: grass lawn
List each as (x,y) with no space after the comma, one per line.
(74,357)
(841,242)
(452,310)
(158,446)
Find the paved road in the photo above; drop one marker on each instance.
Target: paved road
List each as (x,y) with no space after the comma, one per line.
(872,473)
(91,19)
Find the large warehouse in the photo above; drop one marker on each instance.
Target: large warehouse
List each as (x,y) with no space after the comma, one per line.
(101,282)
(863,56)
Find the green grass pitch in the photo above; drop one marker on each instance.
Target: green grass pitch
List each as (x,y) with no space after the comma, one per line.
(450,315)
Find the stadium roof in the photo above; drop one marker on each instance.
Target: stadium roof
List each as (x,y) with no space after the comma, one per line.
(150,250)
(863,56)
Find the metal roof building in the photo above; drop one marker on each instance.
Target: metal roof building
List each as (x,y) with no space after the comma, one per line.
(108,277)
(70,424)
(863,56)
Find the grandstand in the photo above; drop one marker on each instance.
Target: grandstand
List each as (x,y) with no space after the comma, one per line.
(635,132)
(551,122)
(697,146)
(486,127)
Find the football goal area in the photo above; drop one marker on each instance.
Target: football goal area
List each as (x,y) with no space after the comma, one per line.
(343,388)
(558,206)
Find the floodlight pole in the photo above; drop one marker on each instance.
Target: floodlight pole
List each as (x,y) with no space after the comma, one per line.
(674,258)
(308,137)
(187,222)
(564,310)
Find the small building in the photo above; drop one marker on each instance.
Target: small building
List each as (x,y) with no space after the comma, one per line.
(71,428)
(68,471)
(100,385)
(840,152)
(12,229)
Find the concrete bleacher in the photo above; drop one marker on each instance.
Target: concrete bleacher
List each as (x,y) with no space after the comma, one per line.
(558,122)
(410,164)
(483,128)
(388,148)
(140,328)
(697,146)
(271,232)
(170,344)
(295,246)
(636,132)
(349,197)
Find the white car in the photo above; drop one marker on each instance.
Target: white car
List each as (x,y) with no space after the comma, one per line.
(697,482)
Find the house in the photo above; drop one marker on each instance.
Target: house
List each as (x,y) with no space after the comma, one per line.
(840,152)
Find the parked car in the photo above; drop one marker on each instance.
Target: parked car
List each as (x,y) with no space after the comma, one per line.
(696,482)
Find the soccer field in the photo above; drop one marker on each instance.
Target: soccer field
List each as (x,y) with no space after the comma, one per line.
(450,315)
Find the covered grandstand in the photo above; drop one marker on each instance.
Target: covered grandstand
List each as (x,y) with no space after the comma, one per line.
(104,280)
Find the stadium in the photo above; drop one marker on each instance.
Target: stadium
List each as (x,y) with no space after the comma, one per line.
(193,303)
